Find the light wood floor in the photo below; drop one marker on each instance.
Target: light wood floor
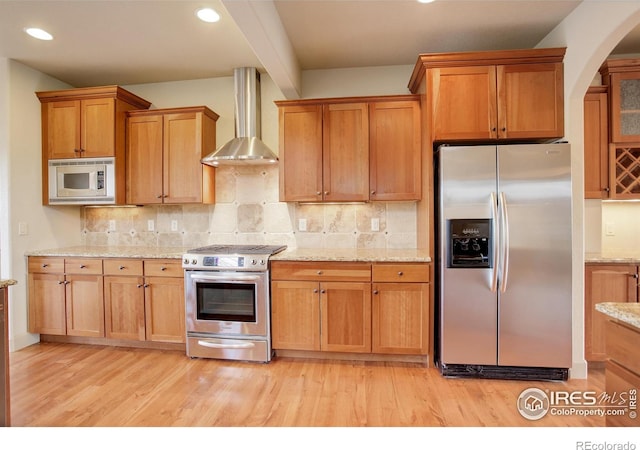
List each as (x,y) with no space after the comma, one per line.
(84,385)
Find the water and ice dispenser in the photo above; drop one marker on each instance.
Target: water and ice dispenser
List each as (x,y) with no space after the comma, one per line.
(470,243)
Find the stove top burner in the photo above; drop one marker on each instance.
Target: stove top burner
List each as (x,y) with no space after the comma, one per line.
(239,249)
(230,257)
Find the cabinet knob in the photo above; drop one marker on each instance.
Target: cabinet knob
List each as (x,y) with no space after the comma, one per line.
(45,265)
(400,274)
(60,282)
(326,192)
(318,193)
(375,292)
(139,285)
(504,129)
(319,272)
(493,129)
(163,269)
(146,285)
(322,291)
(159,196)
(373,192)
(67,282)
(606,189)
(82,266)
(315,291)
(121,267)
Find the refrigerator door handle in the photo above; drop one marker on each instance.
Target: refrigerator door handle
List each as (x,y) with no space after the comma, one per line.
(505,241)
(495,247)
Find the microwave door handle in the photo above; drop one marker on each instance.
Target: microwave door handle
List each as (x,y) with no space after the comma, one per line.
(93,180)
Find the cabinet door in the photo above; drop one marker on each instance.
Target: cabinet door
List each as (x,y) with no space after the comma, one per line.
(530,101)
(85,305)
(625,107)
(62,132)
(345,310)
(144,160)
(463,103)
(605,283)
(596,144)
(295,315)
(182,172)
(164,309)
(47,304)
(124,307)
(300,135)
(400,318)
(345,152)
(395,150)
(98,134)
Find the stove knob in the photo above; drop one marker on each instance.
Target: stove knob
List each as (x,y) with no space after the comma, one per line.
(194,261)
(262,262)
(185,261)
(253,262)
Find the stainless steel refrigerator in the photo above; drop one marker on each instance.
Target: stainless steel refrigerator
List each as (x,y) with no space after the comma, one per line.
(503,237)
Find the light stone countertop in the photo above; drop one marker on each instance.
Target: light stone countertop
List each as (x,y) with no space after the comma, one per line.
(628,313)
(617,257)
(5,283)
(93,251)
(356,254)
(290,254)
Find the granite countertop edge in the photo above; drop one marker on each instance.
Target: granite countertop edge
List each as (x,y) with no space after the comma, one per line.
(290,254)
(6,283)
(628,313)
(612,258)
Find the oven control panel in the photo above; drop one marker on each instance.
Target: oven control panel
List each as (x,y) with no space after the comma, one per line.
(235,262)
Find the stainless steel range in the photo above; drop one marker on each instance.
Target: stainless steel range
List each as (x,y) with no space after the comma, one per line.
(228,303)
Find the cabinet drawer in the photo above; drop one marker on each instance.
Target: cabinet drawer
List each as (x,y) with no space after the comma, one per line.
(394,273)
(123,267)
(320,271)
(623,346)
(622,382)
(84,266)
(38,264)
(163,268)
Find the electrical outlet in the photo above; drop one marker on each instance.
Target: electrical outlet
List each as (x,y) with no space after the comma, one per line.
(174,225)
(302,224)
(112,225)
(610,229)
(150,225)
(375,224)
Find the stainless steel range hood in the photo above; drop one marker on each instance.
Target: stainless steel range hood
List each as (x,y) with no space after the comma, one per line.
(246,147)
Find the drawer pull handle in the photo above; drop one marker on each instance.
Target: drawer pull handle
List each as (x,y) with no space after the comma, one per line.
(319,272)
(45,265)
(82,266)
(121,267)
(163,269)
(400,274)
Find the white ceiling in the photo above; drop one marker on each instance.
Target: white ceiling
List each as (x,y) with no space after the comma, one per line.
(141,41)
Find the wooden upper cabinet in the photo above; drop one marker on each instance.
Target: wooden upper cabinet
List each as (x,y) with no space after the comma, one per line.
(300,153)
(86,122)
(395,162)
(350,149)
(345,152)
(622,76)
(596,143)
(164,149)
(499,95)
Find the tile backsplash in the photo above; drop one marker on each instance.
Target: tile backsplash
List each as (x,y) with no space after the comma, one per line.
(247,211)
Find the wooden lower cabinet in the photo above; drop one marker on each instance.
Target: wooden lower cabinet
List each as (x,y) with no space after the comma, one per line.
(129,300)
(347,313)
(605,283)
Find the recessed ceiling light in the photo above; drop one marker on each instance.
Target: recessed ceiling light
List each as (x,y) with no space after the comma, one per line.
(426,1)
(207,15)
(38,33)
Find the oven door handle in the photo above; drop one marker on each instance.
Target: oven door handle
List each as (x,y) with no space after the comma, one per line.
(214,343)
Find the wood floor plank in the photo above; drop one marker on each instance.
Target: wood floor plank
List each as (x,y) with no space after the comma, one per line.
(71,385)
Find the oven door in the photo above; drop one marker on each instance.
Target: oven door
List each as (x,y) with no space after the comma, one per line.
(230,304)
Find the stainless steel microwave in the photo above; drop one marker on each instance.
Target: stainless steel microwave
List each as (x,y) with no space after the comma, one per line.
(82,181)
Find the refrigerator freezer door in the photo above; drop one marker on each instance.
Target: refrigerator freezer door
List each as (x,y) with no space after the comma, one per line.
(468,307)
(534,326)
